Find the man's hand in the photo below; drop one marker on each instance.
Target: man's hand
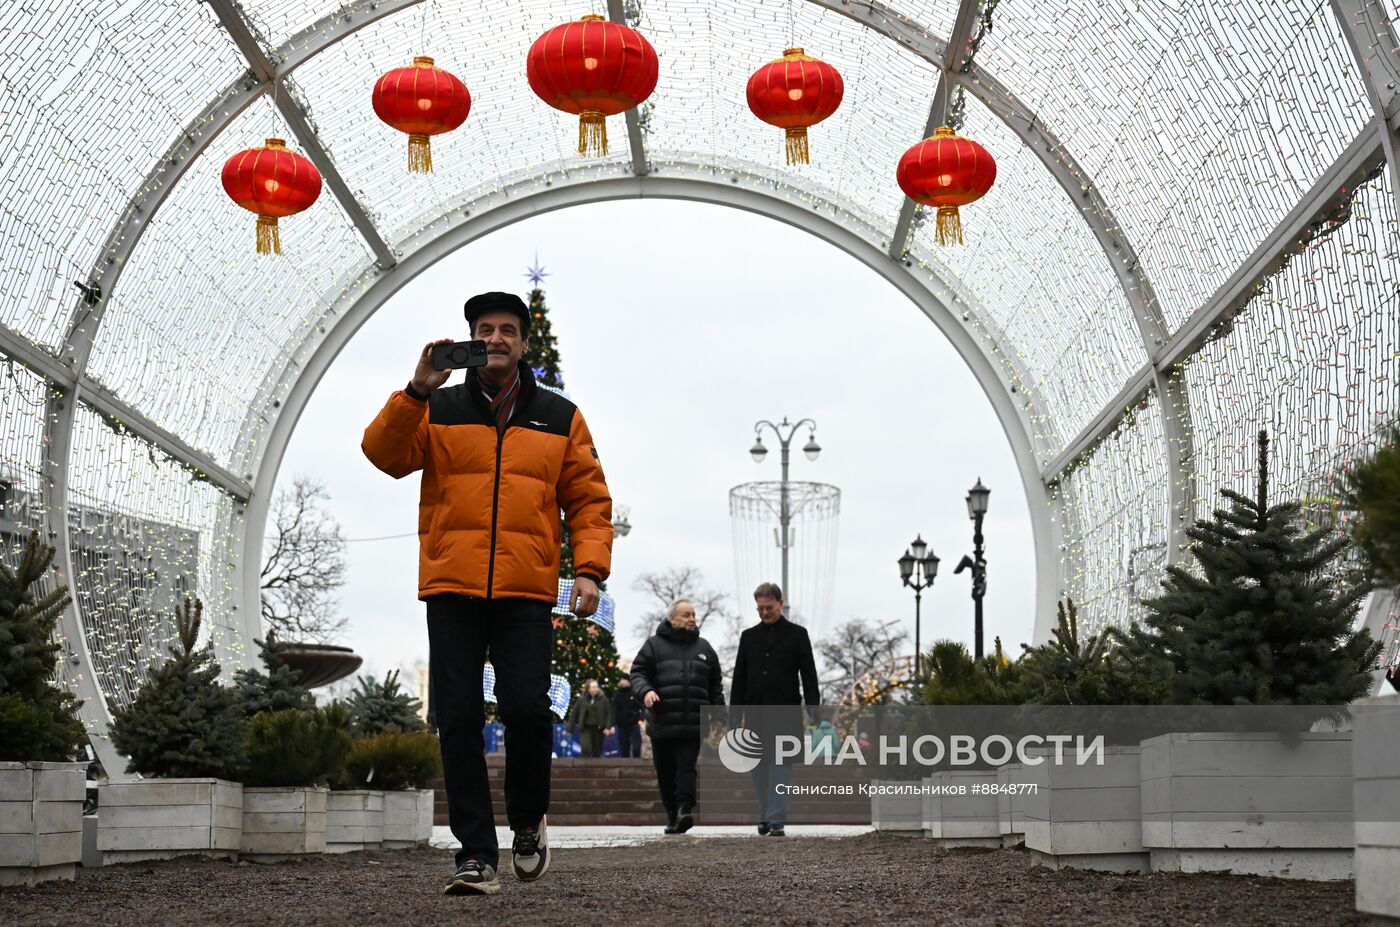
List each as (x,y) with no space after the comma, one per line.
(651,698)
(425,378)
(608,731)
(583,601)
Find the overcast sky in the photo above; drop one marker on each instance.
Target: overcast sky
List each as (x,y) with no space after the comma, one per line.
(680,325)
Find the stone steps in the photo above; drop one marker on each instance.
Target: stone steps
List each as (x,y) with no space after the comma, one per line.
(622,792)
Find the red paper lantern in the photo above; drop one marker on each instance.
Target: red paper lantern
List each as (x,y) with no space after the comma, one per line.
(793,93)
(272,182)
(422,100)
(592,68)
(946,171)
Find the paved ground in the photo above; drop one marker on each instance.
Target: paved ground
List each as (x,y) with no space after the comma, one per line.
(698,882)
(583,838)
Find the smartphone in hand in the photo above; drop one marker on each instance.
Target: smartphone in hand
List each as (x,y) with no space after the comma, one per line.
(459,354)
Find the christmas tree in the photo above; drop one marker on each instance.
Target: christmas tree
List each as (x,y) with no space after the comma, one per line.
(542,349)
(37,719)
(376,708)
(183,723)
(1268,619)
(279,689)
(582,649)
(952,677)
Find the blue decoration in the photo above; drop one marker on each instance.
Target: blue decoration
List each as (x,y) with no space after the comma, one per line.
(603,617)
(560,693)
(536,273)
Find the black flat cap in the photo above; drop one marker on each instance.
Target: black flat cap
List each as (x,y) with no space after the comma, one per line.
(482,303)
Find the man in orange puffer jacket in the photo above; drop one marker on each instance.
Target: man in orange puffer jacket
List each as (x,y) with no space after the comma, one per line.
(500,457)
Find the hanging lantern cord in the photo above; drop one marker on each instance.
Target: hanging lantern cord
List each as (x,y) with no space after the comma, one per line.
(269,242)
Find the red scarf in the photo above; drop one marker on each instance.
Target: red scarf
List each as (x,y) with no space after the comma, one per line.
(503,403)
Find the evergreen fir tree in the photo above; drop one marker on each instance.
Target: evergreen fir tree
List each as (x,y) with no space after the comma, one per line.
(278,689)
(542,349)
(1068,671)
(38,721)
(1373,494)
(582,649)
(183,723)
(1268,619)
(377,708)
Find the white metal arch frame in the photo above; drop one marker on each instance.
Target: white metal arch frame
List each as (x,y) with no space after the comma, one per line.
(1372,43)
(702,183)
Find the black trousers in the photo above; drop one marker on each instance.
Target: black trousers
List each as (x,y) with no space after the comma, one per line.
(675,770)
(590,740)
(629,740)
(517,637)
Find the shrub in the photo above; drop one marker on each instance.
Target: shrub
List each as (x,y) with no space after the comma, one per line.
(379,707)
(183,723)
(296,747)
(278,689)
(38,720)
(393,761)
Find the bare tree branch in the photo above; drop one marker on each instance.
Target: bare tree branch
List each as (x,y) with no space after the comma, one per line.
(854,649)
(303,566)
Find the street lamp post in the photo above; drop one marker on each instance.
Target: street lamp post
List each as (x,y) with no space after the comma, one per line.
(976,509)
(917,568)
(621,526)
(758,452)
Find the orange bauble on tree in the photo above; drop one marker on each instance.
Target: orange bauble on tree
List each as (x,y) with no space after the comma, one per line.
(422,100)
(272,182)
(593,69)
(793,93)
(946,171)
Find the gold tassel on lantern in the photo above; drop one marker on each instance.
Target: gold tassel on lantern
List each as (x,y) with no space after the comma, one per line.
(797,152)
(592,133)
(949,225)
(420,154)
(269,242)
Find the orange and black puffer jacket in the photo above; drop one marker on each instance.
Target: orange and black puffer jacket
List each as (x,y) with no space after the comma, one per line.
(488,512)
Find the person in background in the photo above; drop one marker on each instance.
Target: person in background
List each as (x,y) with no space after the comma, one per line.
(774,656)
(676,674)
(627,720)
(590,716)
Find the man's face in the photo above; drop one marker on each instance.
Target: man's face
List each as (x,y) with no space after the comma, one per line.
(769,608)
(684,616)
(505,344)
(593,688)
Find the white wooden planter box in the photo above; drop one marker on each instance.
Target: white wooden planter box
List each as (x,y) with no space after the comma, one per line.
(1376,763)
(282,822)
(354,820)
(1249,803)
(41,820)
(1086,816)
(1011,808)
(962,820)
(165,818)
(408,818)
(896,813)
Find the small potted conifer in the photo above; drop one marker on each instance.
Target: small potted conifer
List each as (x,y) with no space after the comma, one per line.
(292,755)
(184,734)
(393,757)
(41,789)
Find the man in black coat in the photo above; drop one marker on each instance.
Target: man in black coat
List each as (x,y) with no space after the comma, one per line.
(774,655)
(627,718)
(676,674)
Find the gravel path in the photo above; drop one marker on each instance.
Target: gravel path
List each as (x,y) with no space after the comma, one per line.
(867,879)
